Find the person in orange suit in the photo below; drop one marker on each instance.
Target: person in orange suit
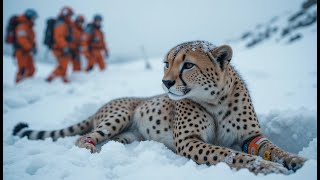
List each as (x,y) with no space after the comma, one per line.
(25,45)
(92,44)
(77,31)
(62,35)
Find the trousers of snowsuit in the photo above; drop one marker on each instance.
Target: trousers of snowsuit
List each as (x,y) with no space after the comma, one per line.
(63,60)
(94,57)
(25,64)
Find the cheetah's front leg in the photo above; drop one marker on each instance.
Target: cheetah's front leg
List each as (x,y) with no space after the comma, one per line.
(191,132)
(204,153)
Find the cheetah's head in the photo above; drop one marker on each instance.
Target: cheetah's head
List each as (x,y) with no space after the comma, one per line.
(196,70)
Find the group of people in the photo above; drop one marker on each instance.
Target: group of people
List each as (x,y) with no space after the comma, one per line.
(70,39)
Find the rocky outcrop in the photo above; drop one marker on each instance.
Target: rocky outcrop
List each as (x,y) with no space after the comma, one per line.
(283,28)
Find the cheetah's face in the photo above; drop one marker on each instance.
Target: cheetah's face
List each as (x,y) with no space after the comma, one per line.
(195,70)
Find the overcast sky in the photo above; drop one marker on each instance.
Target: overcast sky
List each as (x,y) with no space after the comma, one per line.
(159,25)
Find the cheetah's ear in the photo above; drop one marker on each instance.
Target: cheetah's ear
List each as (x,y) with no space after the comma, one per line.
(222,55)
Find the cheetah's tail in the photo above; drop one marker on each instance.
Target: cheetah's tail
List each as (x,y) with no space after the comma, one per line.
(22,130)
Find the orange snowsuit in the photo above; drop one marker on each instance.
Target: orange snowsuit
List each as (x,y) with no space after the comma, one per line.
(75,46)
(62,40)
(92,43)
(25,42)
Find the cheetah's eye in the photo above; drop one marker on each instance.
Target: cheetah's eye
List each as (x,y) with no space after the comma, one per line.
(166,64)
(188,65)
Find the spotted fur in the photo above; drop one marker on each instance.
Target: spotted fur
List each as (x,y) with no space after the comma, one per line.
(206,114)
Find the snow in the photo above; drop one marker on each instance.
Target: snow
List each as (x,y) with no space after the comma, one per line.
(144,160)
(299,125)
(282,83)
(308,151)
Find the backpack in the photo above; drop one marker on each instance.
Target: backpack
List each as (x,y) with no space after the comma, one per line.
(89,29)
(10,37)
(48,37)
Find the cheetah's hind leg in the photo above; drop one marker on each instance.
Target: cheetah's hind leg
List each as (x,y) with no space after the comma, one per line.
(128,137)
(111,120)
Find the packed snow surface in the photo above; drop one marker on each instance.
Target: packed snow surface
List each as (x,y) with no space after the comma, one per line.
(282,83)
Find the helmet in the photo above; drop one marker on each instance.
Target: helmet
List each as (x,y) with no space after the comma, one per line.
(80,18)
(30,13)
(66,11)
(97,17)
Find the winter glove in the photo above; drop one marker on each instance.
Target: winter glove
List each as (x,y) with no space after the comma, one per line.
(106,53)
(34,51)
(66,51)
(96,39)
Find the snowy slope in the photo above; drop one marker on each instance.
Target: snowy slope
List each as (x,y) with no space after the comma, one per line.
(285,28)
(281,79)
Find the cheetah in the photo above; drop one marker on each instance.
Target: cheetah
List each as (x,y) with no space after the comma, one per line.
(206,115)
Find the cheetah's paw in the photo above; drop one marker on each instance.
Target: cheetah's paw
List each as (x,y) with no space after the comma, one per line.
(293,162)
(85,142)
(268,167)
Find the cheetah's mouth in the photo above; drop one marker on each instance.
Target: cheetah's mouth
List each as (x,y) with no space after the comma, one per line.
(175,96)
(186,91)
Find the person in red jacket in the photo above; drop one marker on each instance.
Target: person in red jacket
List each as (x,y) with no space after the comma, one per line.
(62,35)
(92,43)
(77,30)
(25,45)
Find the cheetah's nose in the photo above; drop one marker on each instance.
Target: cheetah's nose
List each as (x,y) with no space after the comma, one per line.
(168,83)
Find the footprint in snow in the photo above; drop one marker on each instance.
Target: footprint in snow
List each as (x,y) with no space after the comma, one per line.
(34,166)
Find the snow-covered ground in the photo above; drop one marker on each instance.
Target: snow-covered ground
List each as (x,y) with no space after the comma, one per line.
(281,79)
